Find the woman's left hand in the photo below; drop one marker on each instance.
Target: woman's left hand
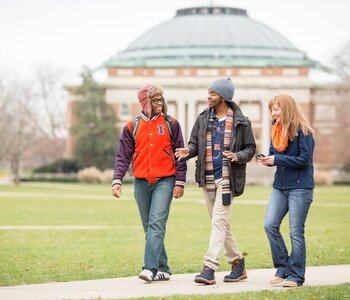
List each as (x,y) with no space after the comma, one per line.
(267,160)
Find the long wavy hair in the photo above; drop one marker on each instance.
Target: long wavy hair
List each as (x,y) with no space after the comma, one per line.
(291,117)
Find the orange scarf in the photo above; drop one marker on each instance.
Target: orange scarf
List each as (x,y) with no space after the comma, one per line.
(278,141)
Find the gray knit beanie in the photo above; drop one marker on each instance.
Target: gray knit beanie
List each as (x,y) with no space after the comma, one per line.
(224,87)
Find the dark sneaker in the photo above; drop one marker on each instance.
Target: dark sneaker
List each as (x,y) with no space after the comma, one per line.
(206,276)
(238,271)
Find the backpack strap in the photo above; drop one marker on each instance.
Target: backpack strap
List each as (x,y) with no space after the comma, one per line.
(169,124)
(135,126)
(169,121)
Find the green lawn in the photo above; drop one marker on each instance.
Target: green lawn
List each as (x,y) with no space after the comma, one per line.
(37,256)
(341,291)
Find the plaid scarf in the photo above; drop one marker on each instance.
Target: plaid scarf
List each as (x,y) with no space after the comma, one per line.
(209,167)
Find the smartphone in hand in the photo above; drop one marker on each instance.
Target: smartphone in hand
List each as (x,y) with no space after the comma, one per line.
(260,155)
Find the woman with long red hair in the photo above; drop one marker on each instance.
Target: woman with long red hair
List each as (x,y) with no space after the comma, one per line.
(291,151)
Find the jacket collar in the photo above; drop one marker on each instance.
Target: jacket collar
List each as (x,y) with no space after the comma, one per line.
(145,117)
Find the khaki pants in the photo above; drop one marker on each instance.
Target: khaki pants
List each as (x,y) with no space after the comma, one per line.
(221,235)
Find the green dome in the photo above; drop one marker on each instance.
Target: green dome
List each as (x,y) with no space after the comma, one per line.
(210,36)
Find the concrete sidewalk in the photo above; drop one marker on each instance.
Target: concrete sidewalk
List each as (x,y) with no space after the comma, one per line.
(133,287)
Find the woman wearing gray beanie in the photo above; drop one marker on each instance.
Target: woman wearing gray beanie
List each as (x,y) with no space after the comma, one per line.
(223,140)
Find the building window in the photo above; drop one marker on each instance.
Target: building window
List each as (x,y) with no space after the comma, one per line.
(125,110)
(250,72)
(165,72)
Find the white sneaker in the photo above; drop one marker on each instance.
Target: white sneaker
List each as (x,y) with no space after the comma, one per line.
(146,275)
(162,276)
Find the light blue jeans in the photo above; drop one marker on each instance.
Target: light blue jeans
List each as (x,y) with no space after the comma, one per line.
(153,201)
(297,202)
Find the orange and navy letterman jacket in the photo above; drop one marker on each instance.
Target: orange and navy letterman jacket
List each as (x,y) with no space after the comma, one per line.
(152,151)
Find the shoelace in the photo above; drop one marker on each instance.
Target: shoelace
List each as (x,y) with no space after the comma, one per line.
(235,265)
(206,269)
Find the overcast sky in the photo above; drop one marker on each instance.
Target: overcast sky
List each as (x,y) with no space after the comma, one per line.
(73,33)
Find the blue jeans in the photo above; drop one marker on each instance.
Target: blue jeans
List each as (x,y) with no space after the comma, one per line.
(297,202)
(153,201)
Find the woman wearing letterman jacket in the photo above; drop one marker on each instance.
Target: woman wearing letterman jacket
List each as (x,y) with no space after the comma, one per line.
(291,151)
(158,175)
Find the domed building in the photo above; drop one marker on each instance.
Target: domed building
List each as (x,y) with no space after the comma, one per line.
(210,37)
(200,44)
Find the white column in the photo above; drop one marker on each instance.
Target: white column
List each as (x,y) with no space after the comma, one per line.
(181,115)
(191,117)
(265,127)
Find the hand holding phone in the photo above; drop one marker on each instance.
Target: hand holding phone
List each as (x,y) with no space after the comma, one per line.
(259,156)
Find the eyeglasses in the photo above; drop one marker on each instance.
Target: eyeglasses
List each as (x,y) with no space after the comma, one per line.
(158,101)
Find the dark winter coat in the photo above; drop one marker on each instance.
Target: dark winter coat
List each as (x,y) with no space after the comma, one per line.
(242,143)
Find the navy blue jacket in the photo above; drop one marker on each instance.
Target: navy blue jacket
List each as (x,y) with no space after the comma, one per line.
(295,169)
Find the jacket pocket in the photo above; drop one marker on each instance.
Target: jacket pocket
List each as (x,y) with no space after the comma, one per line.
(239,185)
(136,155)
(169,155)
(239,179)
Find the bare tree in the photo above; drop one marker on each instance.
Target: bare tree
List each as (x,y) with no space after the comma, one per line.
(4,120)
(341,62)
(18,126)
(51,100)
(32,122)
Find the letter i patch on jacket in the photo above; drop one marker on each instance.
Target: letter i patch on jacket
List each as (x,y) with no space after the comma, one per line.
(161,129)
